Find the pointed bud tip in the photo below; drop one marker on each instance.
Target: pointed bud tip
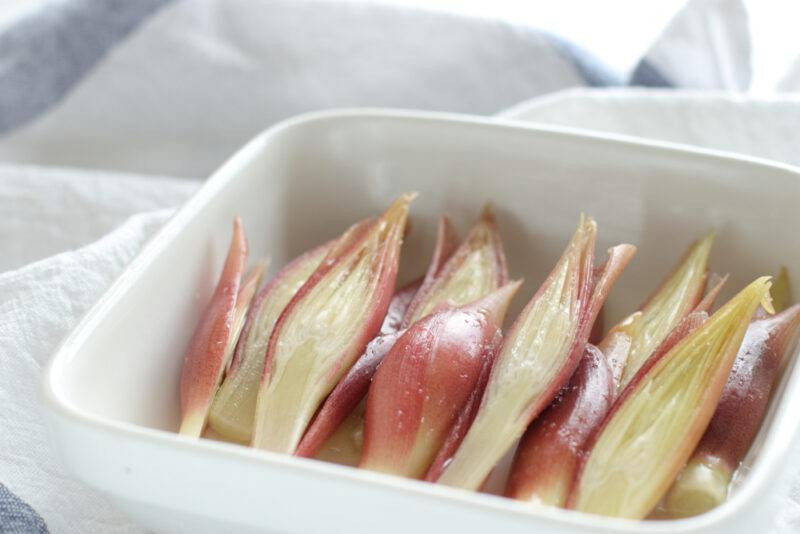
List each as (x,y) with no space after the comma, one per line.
(446,225)
(585,234)
(497,302)
(782,290)
(587,219)
(623,248)
(487,214)
(757,290)
(701,248)
(238,244)
(398,210)
(407,197)
(766,300)
(587,225)
(238,229)
(259,268)
(510,289)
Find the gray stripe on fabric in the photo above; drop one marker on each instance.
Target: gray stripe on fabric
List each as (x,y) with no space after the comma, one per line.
(16,517)
(593,71)
(47,51)
(646,75)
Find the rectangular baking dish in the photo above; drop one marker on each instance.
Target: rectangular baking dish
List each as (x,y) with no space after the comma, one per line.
(112,388)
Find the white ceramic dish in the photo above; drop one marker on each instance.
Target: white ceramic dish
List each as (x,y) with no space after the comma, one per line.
(112,389)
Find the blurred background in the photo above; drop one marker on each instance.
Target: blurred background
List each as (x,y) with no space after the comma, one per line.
(618,32)
(174,86)
(592,28)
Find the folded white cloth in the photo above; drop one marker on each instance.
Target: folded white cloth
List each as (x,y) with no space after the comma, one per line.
(200,77)
(49,215)
(39,304)
(762,126)
(50,210)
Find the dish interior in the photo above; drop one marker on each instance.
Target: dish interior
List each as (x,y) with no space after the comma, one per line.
(304,183)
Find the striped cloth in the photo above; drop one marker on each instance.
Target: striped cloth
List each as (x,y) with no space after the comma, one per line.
(16,517)
(137,81)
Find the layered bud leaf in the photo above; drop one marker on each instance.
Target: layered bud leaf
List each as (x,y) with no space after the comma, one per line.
(210,347)
(616,345)
(461,425)
(661,415)
(455,276)
(233,410)
(425,380)
(326,326)
(539,354)
(474,270)
(782,291)
(240,313)
(671,302)
(341,405)
(549,453)
(351,389)
(703,483)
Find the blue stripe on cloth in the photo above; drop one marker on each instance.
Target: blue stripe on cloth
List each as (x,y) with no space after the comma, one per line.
(593,71)
(16,517)
(646,75)
(44,54)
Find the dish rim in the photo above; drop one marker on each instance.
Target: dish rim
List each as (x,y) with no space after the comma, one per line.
(775,446)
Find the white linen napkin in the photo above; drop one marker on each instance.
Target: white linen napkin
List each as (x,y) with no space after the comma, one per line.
(39,305)
(42,301)
(49,210)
